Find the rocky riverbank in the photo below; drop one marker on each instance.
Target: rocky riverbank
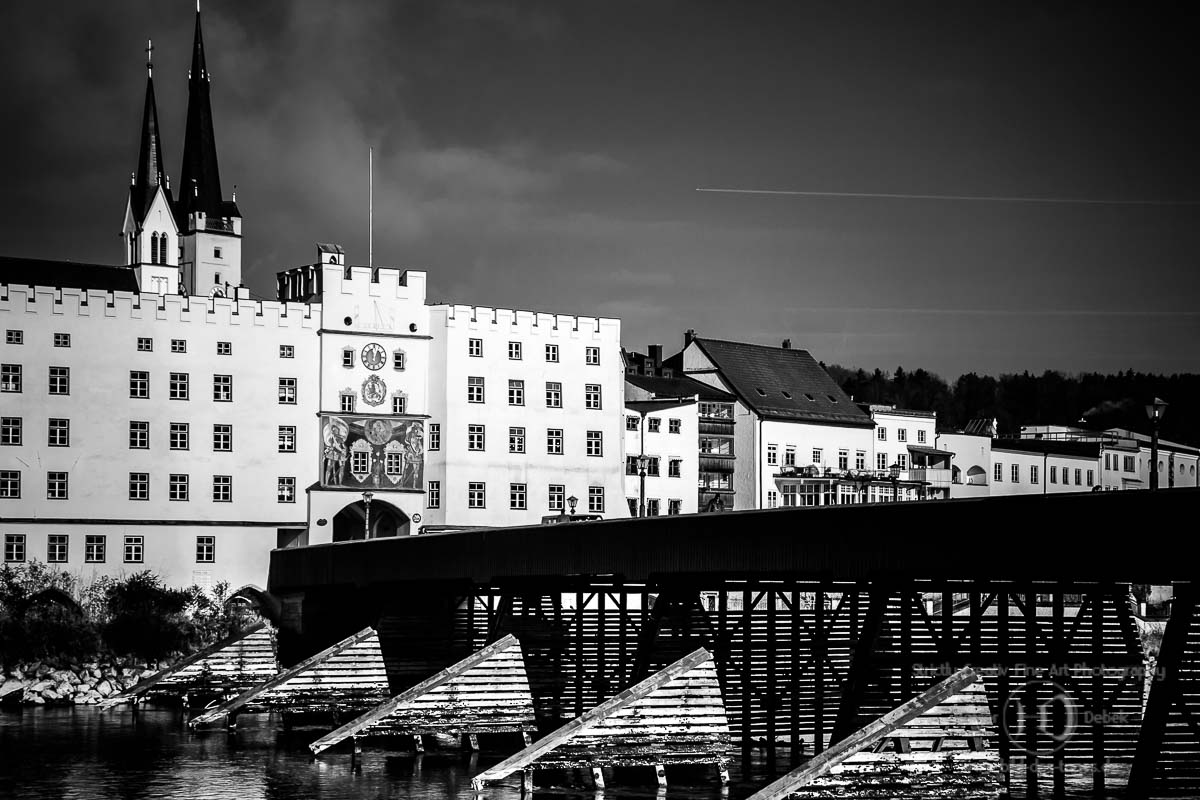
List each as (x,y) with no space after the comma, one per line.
(87,683)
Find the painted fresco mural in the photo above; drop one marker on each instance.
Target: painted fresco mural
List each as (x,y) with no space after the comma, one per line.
(372,452)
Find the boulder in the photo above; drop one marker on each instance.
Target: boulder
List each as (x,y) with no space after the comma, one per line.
(41,686)
(11,685)
(43,670)
(105,688)
(36,699)
(64,689)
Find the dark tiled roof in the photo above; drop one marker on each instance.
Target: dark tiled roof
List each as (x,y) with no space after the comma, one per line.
(1053,447)
(66,274)
(678,387)
(980,426)
(781,383)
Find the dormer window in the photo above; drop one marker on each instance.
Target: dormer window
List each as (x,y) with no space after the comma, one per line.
(788,395)
(811,399)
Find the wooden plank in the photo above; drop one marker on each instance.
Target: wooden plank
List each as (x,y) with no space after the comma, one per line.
(434,692)
(594,723)
(245,698)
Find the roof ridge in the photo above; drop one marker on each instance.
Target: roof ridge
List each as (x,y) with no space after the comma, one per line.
(752,344)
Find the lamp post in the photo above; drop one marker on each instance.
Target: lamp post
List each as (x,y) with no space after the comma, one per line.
(572,501)
(642,461)
(894,472)
(367,514)
(1155,411)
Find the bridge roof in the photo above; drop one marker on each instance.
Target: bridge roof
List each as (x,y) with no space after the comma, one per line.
(1131,536)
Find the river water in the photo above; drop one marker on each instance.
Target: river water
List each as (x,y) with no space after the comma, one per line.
(78,753)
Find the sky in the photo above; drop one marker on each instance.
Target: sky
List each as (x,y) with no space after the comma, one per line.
(547,156)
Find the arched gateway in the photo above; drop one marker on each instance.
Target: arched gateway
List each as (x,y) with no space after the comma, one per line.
(351,522)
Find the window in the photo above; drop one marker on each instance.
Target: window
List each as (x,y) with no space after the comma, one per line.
(139,435)
(56,486)
(93,548)
(57,548)
(655,424)
(139,486)
(1107,461)
(558,497)
(475,437)
(516,496)
(516,440)
(62,340)
(652,507)
(1034,476)
(399,404)
(674,507)
(135,549)
(398,360)
(359,462)
(347,402)
(60,380)
(772,499)
(1053,474)
(818,456)
(216,254)
(224,348)
(222,438)
(392,464)
(881,461)
(1128,462)
(287,391)
(10,483)
(1078,477)
(772,454)
(223,388)
(10,377)
(843,460)
(177,487)
(554,441)
(476,494)
(514,351)
(435,436)
(631,465)
(206,549)
(286,490)
(595,443)
(139,383)
(920,436)
(16,337)
(1016,473)
(591,396)
(789,456)
(10,431)
(475,348)
(179,345)
(287,351)
(633,502)
(222,488)
(1091,476)
(553,394)
(474,389)
(348,357)
(145,344)
(14,547)
(631,423)
(59,434)
(592,356)
(881,434)
(287,438)
(179,386)
(434,495)
(674,466)
(516,393)
(998,473)
(552,353)
(902,434)
(902,460)
(674,426)
(180,436)
(860,459)
(652,468)
(596,493)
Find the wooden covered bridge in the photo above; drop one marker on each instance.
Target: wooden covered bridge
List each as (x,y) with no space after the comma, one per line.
(818,620)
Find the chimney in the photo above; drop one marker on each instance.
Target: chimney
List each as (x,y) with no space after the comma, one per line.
(689,336)
(787,344)
(654,353)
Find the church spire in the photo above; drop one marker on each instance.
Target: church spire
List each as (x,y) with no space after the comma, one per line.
(200,181)
(149,173)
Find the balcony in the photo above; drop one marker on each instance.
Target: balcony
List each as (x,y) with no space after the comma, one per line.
(217,224)
(936,477)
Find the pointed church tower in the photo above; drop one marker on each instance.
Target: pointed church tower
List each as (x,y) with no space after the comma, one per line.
(210,227)
(150,232)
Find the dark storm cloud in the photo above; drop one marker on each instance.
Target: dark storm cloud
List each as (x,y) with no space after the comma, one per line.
(544,154)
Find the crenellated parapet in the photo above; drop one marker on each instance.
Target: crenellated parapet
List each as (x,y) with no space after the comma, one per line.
(528,322)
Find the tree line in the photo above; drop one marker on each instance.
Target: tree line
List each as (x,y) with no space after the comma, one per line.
(1087,400)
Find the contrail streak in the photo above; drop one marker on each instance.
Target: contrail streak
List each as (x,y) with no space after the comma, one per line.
(971,198)
(997,312)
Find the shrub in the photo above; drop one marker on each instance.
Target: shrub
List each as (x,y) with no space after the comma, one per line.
(145,618)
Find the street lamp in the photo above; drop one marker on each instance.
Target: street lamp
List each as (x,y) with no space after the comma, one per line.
(572,501)
(642,461)
(894,472)
(367,514)
(1155,411)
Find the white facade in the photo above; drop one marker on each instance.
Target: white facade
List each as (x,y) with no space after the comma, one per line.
(668,437)
(971,465)
(1024,472)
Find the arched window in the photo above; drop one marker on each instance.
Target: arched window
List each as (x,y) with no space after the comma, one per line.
(154,248)
(162,249)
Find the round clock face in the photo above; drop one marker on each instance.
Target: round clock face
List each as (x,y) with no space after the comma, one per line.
(374,356)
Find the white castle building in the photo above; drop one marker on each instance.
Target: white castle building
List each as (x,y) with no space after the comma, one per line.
(154,416)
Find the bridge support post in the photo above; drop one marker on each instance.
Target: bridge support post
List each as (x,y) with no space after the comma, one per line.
(863,664)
